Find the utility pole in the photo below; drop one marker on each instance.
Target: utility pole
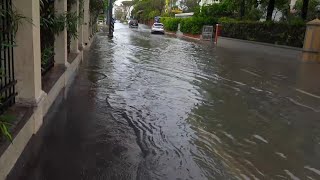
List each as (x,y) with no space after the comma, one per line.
(110,18)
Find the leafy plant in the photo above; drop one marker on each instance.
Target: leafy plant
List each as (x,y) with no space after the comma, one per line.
(194,25)
(46,54)
(14,19)
(71,22)
(170,24)
(5,123)
(291,34)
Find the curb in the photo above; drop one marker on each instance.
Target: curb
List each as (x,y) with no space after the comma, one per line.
(262,43)
(183,36)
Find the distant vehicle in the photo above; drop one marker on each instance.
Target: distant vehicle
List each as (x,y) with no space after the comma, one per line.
(157,28)
(100,22)
(133,24)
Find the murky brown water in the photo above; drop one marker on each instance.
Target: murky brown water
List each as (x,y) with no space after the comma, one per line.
(175,109)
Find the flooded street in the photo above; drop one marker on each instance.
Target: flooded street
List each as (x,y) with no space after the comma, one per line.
(158,107)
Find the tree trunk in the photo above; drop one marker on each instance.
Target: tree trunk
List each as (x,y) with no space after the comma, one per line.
(304,10)
(270,9)
(242,8)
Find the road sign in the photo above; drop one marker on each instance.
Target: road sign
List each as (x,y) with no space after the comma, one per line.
(207,33)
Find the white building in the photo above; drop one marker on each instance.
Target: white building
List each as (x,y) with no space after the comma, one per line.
(208,2)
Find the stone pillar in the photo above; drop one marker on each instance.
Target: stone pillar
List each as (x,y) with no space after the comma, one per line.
(27,54)
(86,21)
(60,43)
(311,46)
(74,47)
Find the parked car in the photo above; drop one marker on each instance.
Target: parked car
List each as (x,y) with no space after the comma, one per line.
(133,24)
(157,28)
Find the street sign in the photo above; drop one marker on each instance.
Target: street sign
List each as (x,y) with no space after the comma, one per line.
(207,33)
(157,19)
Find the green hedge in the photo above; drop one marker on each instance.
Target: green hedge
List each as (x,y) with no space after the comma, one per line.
(170,24)
(268,32)
(194,25)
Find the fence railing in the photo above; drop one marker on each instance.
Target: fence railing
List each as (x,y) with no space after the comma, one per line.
(7,80)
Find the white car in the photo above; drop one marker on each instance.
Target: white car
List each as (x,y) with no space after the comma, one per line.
(157,28)
(100,22)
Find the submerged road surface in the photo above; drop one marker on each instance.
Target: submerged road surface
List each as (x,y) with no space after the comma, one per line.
(158,107)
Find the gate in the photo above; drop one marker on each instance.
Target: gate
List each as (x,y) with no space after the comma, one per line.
(7,80)
(207,33)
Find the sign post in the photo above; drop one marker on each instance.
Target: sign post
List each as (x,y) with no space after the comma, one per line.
(218,33)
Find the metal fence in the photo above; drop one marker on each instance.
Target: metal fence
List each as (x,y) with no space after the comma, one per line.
(7,80)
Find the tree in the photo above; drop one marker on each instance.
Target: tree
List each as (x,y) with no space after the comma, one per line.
(189,5)
(304,10)
(119,14)
(270,9)
(242,8)
(310,13)
(143,9)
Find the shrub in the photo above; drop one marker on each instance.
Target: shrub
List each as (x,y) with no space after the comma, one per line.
(194,25)
(214,10)
(268,32)
(153,14)
(171,24)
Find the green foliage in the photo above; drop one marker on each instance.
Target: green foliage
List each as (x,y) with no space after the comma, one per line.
(311,8)
(153,14)
(57,23)
(194,25)
(268,32)
(253,14)
(189,5)
(46,54)
(97,6)
(143,10)
(5,124)
(15,20)
(170,24)
(215,10)
(72,24)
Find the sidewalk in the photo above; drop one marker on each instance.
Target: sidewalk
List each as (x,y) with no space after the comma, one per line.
(271,51)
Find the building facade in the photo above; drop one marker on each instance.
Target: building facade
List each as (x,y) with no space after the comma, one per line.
(208,2)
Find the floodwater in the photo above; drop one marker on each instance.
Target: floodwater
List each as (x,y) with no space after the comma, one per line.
(158,107)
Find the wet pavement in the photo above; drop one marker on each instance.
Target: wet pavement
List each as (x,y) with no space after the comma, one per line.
(157,107)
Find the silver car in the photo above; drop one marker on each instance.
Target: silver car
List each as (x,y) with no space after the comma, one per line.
(157,28)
